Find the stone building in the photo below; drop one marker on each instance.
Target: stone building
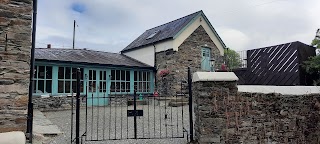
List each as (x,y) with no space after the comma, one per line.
(172,47)
(15,46)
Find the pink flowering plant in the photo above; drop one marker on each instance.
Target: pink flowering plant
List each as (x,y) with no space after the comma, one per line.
(164,73)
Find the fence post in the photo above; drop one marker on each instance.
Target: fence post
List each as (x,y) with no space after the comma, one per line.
(190,104)
(78,108)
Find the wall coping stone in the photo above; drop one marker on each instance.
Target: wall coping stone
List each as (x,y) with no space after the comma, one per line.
(15,137)
(214,76)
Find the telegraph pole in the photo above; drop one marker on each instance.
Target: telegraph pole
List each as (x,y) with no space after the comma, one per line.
(74,33)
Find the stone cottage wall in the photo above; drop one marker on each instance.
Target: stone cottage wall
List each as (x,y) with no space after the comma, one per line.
(15,21)
(225,116)
(189,54)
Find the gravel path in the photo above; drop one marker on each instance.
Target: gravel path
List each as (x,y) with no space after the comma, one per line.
(105,123)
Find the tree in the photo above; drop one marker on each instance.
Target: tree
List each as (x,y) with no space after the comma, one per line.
(312,66)
(232,58)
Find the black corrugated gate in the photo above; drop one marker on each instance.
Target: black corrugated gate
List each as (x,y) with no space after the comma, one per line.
(132,116)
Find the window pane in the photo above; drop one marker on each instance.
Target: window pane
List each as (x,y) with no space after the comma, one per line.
(148,87)
(135,86)
(112,87)
(60,86)
(35,72)
(68,73)
(74,73)
(48,72)
(135,75)
(67,87)
(113,75)
(117,86)
(92,87)
(140,76)
(61,73)
(127,86)
(49,86)
(144,76)
(82,73)
(41,72)
(81,86)
(117,74)
(90,74)
(104,75)
(101,75)
(123,86)
(145,87)
(40,86)
(127,75)
(74,86)
(148,76)
(123,74)
(140,87)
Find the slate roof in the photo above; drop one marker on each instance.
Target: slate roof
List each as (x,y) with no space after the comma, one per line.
(167,31)
(86,57)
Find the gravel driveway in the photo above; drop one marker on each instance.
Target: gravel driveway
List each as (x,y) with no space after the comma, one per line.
(111,122)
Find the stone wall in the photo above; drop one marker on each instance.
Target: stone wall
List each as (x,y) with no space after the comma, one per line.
(54,103)
(189,54)
(225,116)
(15,21)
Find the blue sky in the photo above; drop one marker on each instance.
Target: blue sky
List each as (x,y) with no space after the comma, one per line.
(110,25)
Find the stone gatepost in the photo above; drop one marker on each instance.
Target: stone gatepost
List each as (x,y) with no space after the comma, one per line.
(211,91)
(15,46)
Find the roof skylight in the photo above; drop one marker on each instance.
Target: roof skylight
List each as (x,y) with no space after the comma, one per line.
(153,34)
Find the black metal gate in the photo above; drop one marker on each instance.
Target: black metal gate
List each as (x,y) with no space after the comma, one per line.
(133,116)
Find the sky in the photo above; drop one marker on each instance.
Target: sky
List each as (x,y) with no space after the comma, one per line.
(110,25)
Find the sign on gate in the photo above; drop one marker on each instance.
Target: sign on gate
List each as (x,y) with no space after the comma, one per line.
(138,113)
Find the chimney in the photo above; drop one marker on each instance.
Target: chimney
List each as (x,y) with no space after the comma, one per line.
(48,45)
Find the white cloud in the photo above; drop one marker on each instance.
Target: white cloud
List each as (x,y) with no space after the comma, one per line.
(111,25)
(234,39)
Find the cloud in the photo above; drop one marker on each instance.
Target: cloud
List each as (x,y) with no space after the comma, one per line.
(111,25)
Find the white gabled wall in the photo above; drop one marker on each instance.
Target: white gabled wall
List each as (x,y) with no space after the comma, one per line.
(146,54)
(191,28)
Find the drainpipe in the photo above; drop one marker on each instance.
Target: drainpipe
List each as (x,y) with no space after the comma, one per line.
(33,42)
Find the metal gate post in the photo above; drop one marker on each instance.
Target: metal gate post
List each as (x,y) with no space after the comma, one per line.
(190,104)
(135,113)
(78,108)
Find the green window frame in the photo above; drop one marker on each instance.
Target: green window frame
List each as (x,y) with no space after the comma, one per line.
(120,81)
(42,79)
(142,81)
(67,80)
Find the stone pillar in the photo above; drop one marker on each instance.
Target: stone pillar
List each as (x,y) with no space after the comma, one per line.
(15,22)
(210,92)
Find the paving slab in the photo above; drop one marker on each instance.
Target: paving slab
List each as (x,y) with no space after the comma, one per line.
(42,125)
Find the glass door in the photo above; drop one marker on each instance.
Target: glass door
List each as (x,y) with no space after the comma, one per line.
(97,88)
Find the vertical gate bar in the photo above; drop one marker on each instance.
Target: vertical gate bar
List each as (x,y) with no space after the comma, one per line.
(182,96)
(92,113)
(177,117)
(104,111)
(171,122)
(110,116)
(86,112)
(148,118)
(72,117)
(154,116)
(135,113)
(121,117)
(160,118)
(115,116)
(98,111)
(78,108)
(142,119)
(127,117)
(190,104)
(165,113)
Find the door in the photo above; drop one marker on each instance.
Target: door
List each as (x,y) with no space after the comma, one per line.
(97,88)
(205,62)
